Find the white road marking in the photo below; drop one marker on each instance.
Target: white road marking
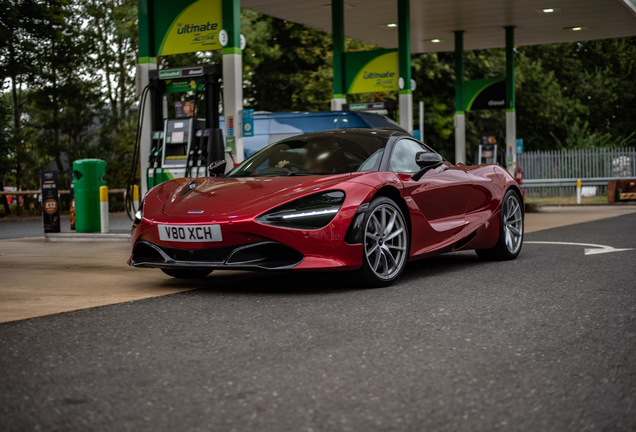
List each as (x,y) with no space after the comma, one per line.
(598,249)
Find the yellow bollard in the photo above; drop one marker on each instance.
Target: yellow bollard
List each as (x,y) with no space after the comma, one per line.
(103,208)
(578,191)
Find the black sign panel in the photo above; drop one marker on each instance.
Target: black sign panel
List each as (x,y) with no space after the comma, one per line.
(370,106)
(192,71)
(72,201)
(50,201)
(492,97)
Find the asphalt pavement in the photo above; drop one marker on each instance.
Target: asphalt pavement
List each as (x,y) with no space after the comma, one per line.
(546,342)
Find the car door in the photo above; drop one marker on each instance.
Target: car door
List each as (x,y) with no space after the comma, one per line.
(441,194)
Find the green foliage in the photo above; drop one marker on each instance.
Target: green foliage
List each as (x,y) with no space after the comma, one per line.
(7,148)
(435,78)
(563,87)
(287,66)
(580,135)
(559,88)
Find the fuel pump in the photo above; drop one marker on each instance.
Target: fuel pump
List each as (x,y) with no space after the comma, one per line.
(185,132)
(490,150)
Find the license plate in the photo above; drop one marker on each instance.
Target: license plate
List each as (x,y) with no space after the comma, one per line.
(190,233)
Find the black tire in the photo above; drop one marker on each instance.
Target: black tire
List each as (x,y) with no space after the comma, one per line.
(194,273)
(396,247)
(507,248)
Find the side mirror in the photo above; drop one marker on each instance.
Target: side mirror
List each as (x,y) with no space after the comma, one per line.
(217,168)
(426,161)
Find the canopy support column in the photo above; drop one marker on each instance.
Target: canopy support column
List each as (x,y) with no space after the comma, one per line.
(511,115)
(144,64)
(337,34)
(460,116)
(404,65)
(233,76)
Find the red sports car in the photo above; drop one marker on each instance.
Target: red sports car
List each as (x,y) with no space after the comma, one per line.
(365,200)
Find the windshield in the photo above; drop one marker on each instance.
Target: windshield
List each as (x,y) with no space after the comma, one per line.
(323,154)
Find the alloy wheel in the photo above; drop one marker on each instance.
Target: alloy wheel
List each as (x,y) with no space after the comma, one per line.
(513,223)
(385,242)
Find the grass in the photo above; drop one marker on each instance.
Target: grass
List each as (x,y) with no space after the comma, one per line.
(560,200)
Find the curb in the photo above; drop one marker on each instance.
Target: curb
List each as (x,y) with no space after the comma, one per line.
(39,218)
(73,237)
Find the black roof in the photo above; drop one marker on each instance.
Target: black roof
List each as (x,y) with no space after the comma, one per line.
(383,133)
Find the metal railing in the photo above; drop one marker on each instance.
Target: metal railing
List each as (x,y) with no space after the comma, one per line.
(578,163)
(62,192)
(555,172)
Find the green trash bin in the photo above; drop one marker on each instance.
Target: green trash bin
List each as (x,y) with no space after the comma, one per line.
(88,177)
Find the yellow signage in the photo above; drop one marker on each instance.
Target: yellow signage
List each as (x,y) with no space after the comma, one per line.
(372,71)
(195,29)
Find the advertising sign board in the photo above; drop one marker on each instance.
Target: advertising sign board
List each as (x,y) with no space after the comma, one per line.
(485,94)
(50,201)
(248,122)
(371,71)
(180,26)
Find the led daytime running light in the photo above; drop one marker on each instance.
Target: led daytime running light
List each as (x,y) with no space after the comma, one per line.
(314,213)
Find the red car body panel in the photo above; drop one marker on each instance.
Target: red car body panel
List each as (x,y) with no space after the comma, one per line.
(449,208)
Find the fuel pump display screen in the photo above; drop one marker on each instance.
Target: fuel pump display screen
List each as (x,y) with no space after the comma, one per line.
(177,142)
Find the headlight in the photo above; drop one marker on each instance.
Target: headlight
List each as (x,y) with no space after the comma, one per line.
(311,212)
(138,215)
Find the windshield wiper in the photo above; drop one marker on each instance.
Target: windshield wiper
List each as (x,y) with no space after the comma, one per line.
(295,173)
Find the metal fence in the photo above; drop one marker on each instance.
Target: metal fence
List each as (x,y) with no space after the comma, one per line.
(578,163)
(554,172)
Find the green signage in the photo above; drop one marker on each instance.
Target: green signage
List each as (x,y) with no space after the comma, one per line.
(166,74)
(371,71)
(485,94)
(178,26)
(181,85)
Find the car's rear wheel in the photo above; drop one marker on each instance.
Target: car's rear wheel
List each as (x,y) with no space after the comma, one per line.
(195,273)
(510,230)
(386,242)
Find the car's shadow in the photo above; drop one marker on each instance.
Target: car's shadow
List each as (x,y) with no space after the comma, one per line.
(321,283)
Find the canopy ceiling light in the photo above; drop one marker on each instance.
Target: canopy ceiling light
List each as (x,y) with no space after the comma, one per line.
(548,10)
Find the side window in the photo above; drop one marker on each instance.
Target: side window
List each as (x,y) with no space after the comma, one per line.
(403,156)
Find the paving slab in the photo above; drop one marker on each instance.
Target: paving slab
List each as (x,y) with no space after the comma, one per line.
(558,216)
(41,278)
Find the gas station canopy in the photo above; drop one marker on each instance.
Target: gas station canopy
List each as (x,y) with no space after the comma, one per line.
(535,21)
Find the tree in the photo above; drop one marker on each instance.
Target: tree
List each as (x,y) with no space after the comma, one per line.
(6,147)
(24,24)
(113,26)
(287,66)
(63,97)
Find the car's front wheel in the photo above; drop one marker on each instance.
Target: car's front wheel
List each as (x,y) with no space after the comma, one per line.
(195,273)
(510,230)
(386,242)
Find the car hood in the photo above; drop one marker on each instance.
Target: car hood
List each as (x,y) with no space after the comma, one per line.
(245,196)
